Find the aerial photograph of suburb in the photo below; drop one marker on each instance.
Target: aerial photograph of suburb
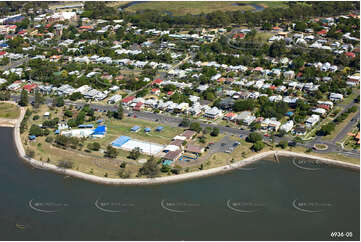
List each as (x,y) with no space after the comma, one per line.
(179,120)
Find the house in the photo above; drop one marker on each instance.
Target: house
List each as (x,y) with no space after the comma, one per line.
(226,103)
(335,97)
(157,81)
(178,143)
(213,113)
(230,116)
(188,134)
(238,36)
(155,91)
(172,147)
(243,115)
(289,75)
(353,80)
(138,106)
(270,124)
(114,99)
(311,121)
(172,156)
(320,111)
(350,54)
(194,149)
(30,87)
(287,127)
(128,100)
(299,130)
(135,128)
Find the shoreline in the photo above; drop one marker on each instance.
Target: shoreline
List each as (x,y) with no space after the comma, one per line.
(160,180)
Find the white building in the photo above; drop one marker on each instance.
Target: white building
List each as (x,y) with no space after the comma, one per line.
(311,121)
(287,127)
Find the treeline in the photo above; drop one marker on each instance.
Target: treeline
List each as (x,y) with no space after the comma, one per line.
(295,11)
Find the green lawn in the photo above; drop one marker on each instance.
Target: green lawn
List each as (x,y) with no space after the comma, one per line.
(9,111)
(116,128)
(197,7)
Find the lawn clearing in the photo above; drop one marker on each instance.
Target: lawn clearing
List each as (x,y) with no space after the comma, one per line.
(9,111)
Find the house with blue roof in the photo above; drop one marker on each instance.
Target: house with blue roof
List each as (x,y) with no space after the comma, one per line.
(135,128)
(99,131)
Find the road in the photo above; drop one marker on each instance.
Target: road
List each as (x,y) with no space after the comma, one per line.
(175,121)
(347,128)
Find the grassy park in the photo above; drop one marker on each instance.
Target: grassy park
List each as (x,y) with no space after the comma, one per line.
(197,7)
(9,111)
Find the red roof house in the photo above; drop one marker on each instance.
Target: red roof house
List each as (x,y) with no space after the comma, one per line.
(350,54)
(86,27)
(157,81)
(30,87)
(138,106)
(155,91)
(238,36)
(128,99)
(322,32)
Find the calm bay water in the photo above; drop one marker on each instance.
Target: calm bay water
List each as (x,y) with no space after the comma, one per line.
(267,201)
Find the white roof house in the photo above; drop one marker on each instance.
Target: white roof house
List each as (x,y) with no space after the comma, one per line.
(213,113)
(287,127)
(311,121)
(335,97)
(320,111)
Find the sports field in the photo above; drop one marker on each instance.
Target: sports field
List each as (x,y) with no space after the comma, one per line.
(198,7)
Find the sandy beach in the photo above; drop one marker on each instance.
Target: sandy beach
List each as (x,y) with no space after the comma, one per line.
(166,179)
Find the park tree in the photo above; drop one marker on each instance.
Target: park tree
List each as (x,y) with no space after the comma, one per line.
(254,137)
(283,144)
(185,122)
(94,146)
(38,99)
(215,131)
(120,113)
(150,168)
(58,101)
(134,153)
(195,127)
(35,130)
(257,146)
(24,99)
(111,152)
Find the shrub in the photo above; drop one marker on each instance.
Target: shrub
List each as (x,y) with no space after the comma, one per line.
(66,164)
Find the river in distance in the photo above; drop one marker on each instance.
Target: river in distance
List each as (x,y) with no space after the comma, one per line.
(289,200)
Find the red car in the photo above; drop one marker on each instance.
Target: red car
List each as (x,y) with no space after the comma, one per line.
(267,135)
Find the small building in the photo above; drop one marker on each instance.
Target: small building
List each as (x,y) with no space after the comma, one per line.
(189,134)
(287,127)
(135,128)
(172,156)
(311,121)
(299,130)
(159,128)
(194,149)
(99,131)
(32,137)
